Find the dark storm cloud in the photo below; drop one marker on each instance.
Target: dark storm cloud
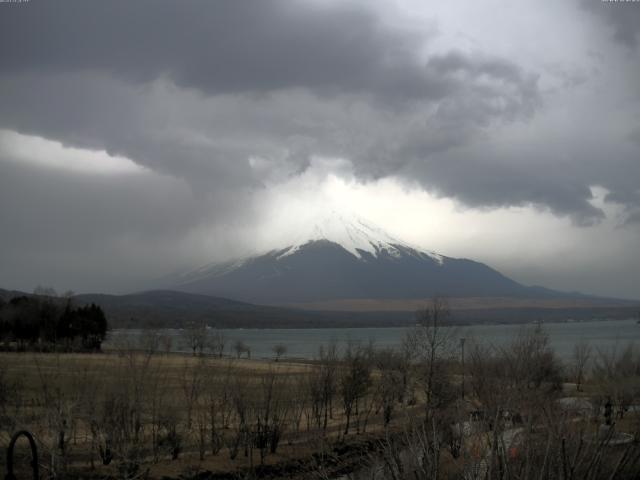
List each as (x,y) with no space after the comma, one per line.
(229,94)
(97,113)
(622,17)
(634,218)
(232,47)
(220,47)
(278,80)
(629,197)
(563,191)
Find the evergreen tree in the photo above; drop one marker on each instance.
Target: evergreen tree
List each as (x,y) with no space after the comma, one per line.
(44,321)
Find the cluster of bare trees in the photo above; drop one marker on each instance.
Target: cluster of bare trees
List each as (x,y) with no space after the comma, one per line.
(125,413)
(520,418)
(200,339)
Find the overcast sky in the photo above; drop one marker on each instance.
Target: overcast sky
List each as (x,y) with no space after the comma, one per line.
(139,138)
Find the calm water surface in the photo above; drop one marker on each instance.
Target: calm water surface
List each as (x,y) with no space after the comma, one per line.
(304,343)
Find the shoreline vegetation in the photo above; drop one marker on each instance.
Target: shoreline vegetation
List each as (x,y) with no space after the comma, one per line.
(451,323)
(438,407)
(45,322)
(302,319)
(170,309)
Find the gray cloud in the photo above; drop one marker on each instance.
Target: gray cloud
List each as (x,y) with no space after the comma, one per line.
(221,47)
(87,78)
(622,17)
(209,140)
(231,96)
(280,81)
(111,231)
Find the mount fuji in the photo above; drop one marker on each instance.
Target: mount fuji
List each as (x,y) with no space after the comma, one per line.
(339,257)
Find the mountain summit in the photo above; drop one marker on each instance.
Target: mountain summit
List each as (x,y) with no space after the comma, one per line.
(338,257)
(352,233)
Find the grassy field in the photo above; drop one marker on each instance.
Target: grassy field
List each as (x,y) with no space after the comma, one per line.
(134,414)
(176,399)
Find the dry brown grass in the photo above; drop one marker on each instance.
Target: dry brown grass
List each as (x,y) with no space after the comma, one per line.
(66,370)
(81,381)
(455,303)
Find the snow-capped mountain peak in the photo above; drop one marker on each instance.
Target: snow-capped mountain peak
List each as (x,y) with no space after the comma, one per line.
(360,238)
(352,233)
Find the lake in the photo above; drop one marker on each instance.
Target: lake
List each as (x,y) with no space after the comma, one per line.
(304,343)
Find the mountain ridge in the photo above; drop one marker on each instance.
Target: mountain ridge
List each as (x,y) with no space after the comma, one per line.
(340,257)
(172,309)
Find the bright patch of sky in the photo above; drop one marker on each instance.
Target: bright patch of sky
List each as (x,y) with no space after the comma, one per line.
(45,153)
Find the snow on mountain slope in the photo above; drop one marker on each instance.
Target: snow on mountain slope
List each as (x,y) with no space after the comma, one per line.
(337,256)
(353,234)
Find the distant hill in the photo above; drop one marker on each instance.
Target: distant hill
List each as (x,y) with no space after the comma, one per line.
(9,294)
(172,309)
(166,308)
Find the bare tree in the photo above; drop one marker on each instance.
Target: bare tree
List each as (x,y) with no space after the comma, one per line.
(10,402)
(196,337)
(517,383)
(150,342)
(170,439)
(59,412)
(328,360)
(217,343)
(355,380)
(241,434)
(314,390)
(299,403)
(241,348)
(581,356)
(270,411)
(279,350)
(390,386)
(617,375)
(432,343)
(157,404)
(166,343)
(122,415)
(559,448)
(192,384)
(218,398)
